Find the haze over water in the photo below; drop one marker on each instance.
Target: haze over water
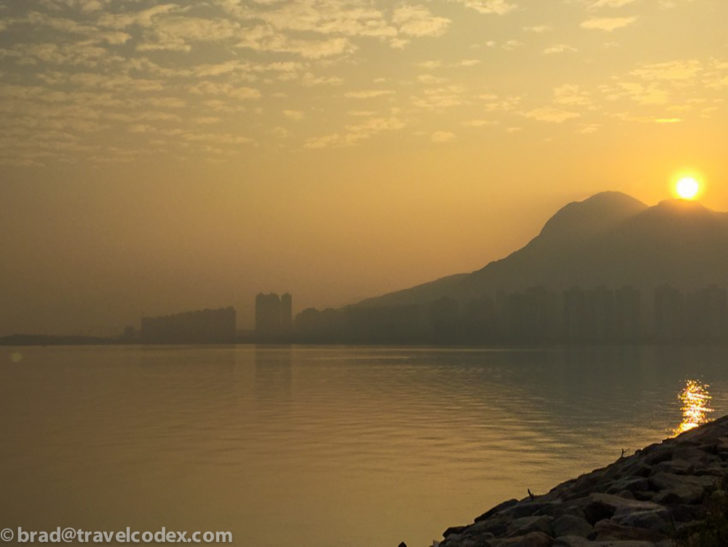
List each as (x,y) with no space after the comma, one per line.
(323,446)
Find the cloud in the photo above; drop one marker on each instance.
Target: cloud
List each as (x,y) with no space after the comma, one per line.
(496,103)
(550,114)
(442,136)
(226,89)
(368,93)
(310,80)
(610,4)
(607,24)
(538,29)
(671,70)
(468,62)
(142,18)
(559,48)
(176,33)
(488,7)
(266,38)
(570,94)
(419,21)
(478,123)
(296,115)
(355,133)
(438,98)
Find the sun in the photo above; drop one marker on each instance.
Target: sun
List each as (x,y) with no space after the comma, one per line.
(687,188)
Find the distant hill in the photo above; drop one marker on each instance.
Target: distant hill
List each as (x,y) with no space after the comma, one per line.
(609,239)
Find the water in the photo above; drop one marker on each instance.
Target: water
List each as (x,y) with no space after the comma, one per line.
(320,446)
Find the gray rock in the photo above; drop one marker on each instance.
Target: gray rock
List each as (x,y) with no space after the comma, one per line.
(680,488)
(657,520)
(571,525)
(532,539)
(629,484)
(575,541)
(498,508)
(613,530)
(528,508)
(679,467)
(604,506)
(453,530)
(525,525)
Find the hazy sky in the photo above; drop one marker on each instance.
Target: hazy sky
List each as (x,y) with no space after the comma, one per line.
(164,156)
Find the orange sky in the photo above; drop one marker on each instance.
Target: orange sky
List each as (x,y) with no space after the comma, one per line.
(164,156)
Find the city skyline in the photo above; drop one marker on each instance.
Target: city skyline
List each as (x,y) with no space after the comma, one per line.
(160,156)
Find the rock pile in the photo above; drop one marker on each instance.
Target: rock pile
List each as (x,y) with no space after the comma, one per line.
(670,493)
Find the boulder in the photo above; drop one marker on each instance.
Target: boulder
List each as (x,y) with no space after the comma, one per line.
(525,525)
(498,508)
(532,539)
(571,525)
(675,488)
(612,530)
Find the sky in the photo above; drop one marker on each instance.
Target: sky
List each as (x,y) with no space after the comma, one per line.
(165,156)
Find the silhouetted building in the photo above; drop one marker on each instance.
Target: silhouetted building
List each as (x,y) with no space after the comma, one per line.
(479,321)
(628,314)
(443,319)
(600,315)
(286,313)
(705,312)
(273,315)
(669,314)
(194,327)
(575,326)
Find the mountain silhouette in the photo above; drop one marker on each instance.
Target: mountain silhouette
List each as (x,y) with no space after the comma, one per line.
(610,239)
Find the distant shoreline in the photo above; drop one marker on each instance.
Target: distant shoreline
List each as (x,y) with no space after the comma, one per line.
(79,340)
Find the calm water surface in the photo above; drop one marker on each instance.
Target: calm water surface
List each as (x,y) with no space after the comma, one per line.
(320,446)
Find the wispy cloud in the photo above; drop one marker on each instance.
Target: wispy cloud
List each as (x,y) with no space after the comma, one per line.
(550,114)
(608,24)
(488,7)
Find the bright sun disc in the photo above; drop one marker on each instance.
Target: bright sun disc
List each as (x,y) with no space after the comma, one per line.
(687,188)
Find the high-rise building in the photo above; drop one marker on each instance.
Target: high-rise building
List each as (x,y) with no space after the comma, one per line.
(669,314)
(628,314)
(273,314)
(286,313)
(194,327)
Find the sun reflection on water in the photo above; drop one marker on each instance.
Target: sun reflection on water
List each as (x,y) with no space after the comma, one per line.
(695,400)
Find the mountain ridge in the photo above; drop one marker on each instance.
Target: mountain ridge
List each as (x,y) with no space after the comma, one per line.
(608,239)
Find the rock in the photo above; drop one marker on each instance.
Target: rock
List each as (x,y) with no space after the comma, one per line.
(692,454)
(575,541)
(661,494)
(525,525)
(611,530)
(686,513)
(629,484)
(656,520)
(453,530)
(571,525)
(532,539)
(598,510)
(497,526)
(528,508)
(497,509)
(679,467)
(680,488)
(657,453)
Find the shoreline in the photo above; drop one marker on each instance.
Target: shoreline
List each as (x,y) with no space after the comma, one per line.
(672,493)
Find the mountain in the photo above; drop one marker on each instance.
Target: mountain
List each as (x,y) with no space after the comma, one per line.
(609,239)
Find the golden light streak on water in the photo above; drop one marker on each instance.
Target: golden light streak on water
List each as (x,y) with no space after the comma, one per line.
(695,400)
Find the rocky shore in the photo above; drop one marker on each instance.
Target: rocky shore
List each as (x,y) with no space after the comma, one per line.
(673,493)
